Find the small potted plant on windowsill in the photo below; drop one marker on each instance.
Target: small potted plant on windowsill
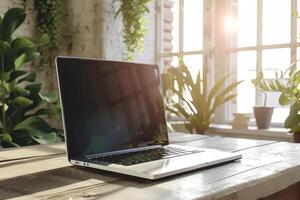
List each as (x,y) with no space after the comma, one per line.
(263,114)
(289,95)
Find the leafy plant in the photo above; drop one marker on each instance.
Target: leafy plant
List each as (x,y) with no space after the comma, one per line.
(50,22)
(133,16)
(287,83)
(21,103)
(191,99)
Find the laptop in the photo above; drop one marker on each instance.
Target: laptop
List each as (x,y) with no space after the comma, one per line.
(114,120)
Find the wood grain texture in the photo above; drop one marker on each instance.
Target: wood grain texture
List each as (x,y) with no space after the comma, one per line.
(43,172)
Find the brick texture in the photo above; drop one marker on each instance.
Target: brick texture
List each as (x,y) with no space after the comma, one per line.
(90,30)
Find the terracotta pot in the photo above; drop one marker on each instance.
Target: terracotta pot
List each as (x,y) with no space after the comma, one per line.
(263,116)
(296,137)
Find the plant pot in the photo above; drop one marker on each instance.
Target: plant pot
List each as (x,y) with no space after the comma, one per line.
(240,121)
(296,137)
(263,116)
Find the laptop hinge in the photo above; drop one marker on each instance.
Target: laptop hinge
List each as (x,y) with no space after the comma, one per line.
(123,151)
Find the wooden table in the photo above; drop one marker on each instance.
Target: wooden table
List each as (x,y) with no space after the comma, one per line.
(267,167)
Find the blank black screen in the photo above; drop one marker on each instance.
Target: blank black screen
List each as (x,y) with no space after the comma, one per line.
(109,106)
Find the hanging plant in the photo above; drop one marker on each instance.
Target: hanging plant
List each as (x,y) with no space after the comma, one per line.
(50,22)
(133,17)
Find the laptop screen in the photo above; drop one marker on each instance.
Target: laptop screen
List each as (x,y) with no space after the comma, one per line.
(110,106)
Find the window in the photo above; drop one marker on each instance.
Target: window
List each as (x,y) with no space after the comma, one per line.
(266,42)
(181,31)
(245,36)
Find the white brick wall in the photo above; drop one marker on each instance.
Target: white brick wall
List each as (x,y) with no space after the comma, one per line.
(90,30)
(148,56)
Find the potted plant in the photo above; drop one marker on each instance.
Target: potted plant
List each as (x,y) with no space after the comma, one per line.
(263,114)
(191,100)
(287,83)
(22,106)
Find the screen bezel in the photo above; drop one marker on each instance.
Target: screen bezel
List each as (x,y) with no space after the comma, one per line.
(59,66)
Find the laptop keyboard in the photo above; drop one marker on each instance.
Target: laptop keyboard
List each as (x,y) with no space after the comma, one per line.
(133,158)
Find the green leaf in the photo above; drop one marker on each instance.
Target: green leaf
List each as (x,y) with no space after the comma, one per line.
(292,121)
(54,111)
(295,129)
(12,19)
(45,138)
(31,55)
(50,98)
(273,86)
(34,136)
(198,84)
(34,123)
(284,99)
(17,74)
(34,88)
(294,109)
(281,86)
(20,61)
(4,76)
(41,41)
(166,82)
(229,88)
(4,48)
(23,43)
(29,78)
(219,101)
(181,110)
(264,86)
(20,91)
(21,102)
(6,138)
(215,89)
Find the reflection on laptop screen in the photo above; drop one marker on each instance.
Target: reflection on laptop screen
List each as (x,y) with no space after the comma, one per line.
(110,106)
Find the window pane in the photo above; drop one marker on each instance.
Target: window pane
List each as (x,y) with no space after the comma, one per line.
(274,60)
(171,26)
(193,25)
(280,114)
(195,63)
(246,62)
(247,13)
(276,21)
(168,62)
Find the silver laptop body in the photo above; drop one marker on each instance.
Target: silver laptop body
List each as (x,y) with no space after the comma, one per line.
(114,120)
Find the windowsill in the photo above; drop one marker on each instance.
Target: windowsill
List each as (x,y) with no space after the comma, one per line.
(274,133)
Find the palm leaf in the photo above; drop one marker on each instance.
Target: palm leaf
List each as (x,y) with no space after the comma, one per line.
(219,101)
(214,90)
(229,88)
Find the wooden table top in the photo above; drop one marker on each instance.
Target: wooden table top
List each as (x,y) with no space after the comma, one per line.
(43,172)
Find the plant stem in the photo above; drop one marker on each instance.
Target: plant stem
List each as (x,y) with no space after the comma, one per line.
(265,98)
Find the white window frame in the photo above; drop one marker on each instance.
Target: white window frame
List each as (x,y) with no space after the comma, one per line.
(160,22)
(259,47)
(213,52)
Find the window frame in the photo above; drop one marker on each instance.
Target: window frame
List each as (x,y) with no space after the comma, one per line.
(260,47)
(160,47)
(212,52)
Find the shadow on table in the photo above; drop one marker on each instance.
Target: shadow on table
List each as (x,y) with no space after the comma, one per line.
(85,182)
